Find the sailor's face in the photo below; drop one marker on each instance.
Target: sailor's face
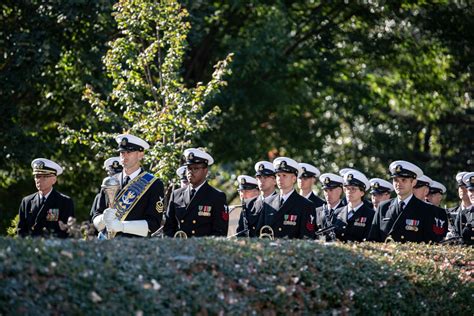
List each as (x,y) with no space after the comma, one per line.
(196,173)
(403,186)
(131,159)
(285,180)
(44,183)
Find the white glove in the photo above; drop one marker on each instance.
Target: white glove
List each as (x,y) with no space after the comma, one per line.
(113,225)
(109,214)
(139,228)
(99,222)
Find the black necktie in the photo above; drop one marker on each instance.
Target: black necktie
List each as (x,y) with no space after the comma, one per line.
(350,214)
(193,191)
(282,201)
(42,200)
(126,180)
(401,206)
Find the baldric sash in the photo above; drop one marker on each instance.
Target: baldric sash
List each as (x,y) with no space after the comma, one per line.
(132,193)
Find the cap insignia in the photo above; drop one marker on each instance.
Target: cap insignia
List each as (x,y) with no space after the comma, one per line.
(243,181)
(327,180)
(190,156)
(261,167)
(283,164)
(471,180)
(115,164)
(304,169)
(39,165)
(376,185)
(398,168)
(350,176)
(124,141)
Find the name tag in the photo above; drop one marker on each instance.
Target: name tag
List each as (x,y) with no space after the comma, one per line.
(52,215)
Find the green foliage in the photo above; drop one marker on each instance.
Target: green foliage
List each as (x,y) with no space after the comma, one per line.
(11,231)
(149,97)
(215,276)
(335,84)
(356,84)
(48,52)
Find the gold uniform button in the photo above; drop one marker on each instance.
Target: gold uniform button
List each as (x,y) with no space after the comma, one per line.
(182,221)
(403,237)
(253,227)
(279,229)
(193,232)
(194,221)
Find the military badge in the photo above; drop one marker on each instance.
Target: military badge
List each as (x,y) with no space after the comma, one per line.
(471,180)
(398,169)
(327,180)
(204,210)
(190,156)
(261,167)
(290,220)
(124,141)
(225,215)
(438,226)
(39,164)
(304,169)
(160,206)
(350,177)
(52,215)
(376,185)
(283,164)
(310,224)
(115,164)
(412,224)
(243,181)
(361,221)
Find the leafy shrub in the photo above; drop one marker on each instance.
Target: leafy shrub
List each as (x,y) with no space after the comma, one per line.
(211,276)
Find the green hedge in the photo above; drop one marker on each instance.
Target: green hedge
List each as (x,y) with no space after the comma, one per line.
(210,276)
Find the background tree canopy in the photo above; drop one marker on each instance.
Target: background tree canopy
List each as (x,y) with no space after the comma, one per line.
(337,85)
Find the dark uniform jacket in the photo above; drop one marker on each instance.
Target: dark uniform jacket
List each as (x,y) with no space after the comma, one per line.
(464,225)
(150,207)
(414,223)
(453,213)
(43,220)
(249,218)
(290,220)
(357,227)
(205,214)
(317,201)
(325,217)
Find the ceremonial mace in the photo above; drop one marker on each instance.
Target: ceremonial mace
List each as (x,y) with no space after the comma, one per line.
(111,186)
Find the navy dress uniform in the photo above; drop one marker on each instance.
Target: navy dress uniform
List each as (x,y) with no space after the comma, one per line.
(325,216)
(251,208)
(40,215)
(403,220)
(440,228)
(140,199)
(200,211)
(464,223)
(453,212)
(292,217)
(353,224)
(310,171)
